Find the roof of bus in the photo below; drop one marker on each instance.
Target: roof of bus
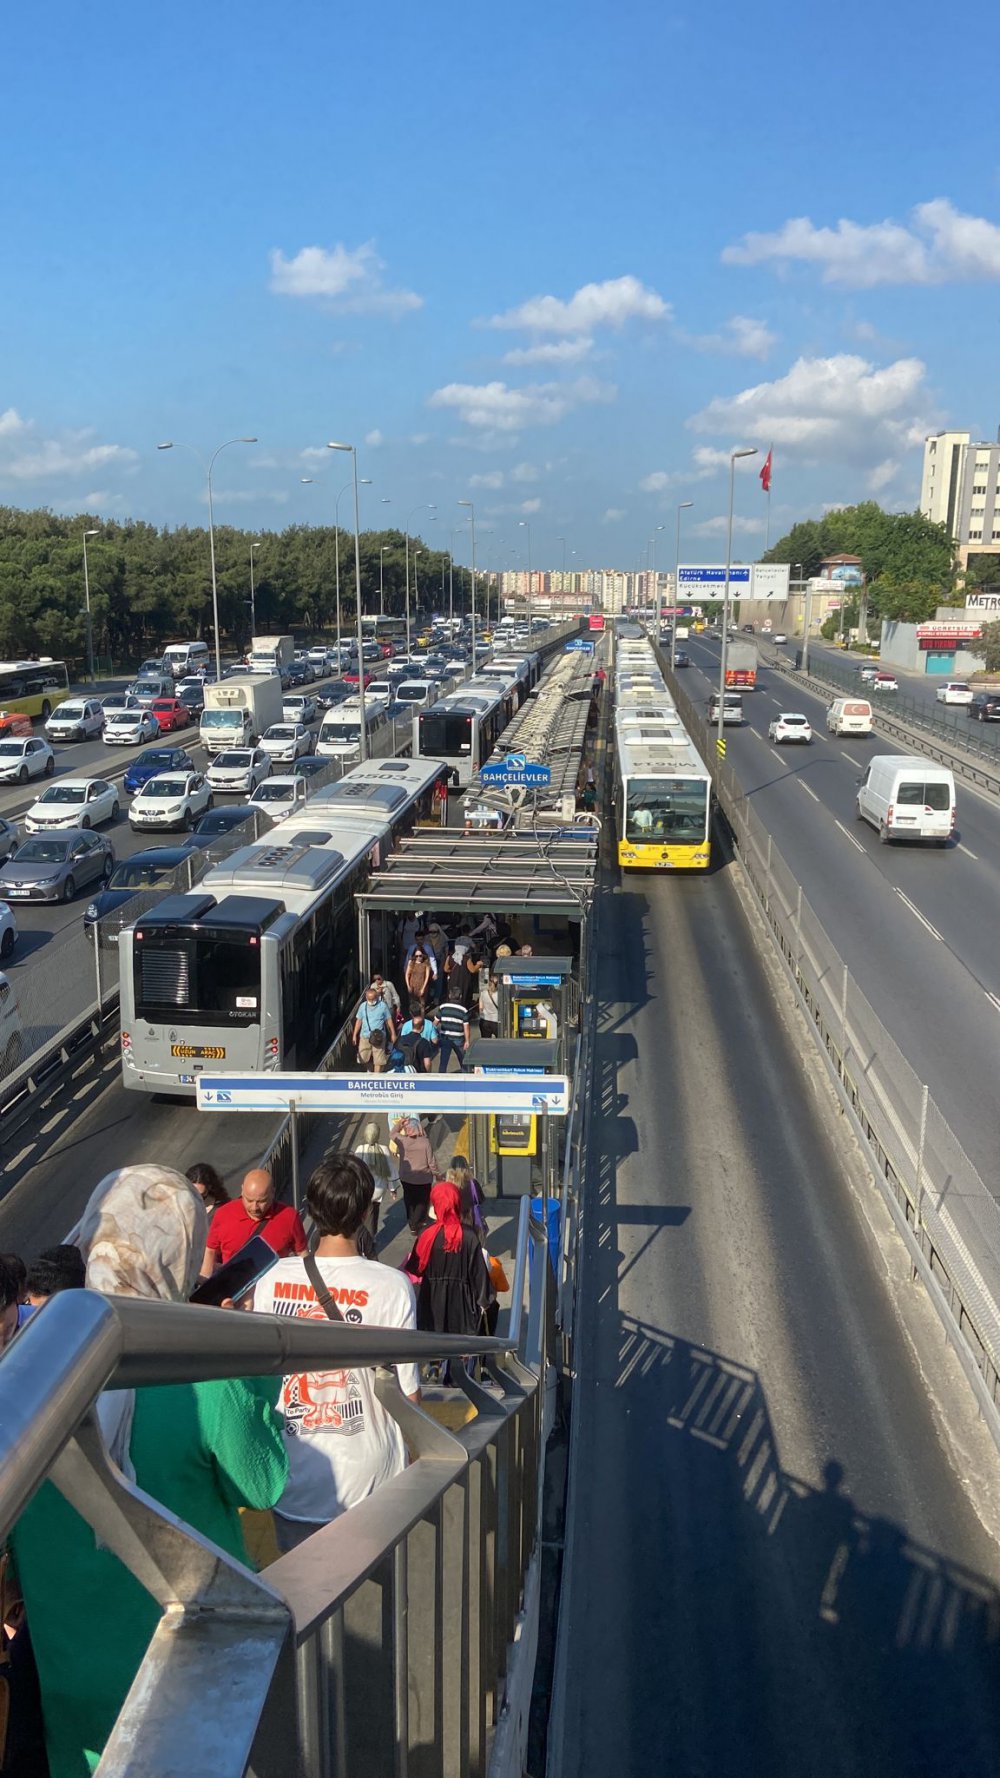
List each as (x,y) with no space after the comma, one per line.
(287,866)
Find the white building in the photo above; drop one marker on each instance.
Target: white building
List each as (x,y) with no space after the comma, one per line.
(960,488)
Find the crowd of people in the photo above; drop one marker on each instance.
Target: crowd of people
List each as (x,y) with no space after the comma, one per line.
(254,1465)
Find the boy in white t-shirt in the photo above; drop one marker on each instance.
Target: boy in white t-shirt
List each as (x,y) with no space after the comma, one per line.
(342,1444)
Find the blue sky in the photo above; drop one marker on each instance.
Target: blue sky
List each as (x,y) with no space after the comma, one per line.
(559,259)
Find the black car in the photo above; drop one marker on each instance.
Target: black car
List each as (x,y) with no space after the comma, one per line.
(193,699)
(308,764)
(681,659)
(153,869)
(334,692)
(985,706)
(297,674)
(216,822)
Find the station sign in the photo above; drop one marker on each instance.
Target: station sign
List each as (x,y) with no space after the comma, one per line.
(515,768)
(394,1095)
(579,645)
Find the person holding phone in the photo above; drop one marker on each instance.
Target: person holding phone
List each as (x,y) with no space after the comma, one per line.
(255,1212)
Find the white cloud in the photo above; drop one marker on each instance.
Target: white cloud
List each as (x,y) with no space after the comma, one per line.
(315,454)
(842,407)
(706,461)
(717,527)
(529,506)
(348,278)
(246,496)
(740,336)
(503,409)
(11,423)
(373,438)
(99,497)
(612,514)
(68,456)
(609,304)
(419,438)
(882,475)
(659,481)
(551,352)
(940,245)
(491,478)
(524,472)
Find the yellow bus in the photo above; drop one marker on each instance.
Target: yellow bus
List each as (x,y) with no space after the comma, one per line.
(33,688)
(663,792)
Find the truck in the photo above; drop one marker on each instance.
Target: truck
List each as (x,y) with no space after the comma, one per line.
(741,666)
(271,654)
(238,710)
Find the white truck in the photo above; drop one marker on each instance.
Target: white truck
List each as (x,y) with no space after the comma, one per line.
(238,710)
(271,654)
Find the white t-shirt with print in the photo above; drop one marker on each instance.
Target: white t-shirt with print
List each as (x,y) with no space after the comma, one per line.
(341,1443)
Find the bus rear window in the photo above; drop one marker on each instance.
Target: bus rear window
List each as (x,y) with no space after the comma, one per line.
(445,736)
(188,977)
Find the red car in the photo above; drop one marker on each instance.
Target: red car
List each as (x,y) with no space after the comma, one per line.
(385,650)
(351,677)
(12,722)
(170,713)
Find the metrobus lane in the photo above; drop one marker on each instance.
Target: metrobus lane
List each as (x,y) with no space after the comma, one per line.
(906,920)
(773,1563)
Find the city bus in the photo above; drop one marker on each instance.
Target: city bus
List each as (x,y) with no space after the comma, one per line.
(463,728)
(663,801)
(33,688)
(397,794)
(383,629)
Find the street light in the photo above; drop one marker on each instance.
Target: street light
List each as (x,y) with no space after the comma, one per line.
(656,580)
(683,507)
(472,520)
(250,438)
(363,738)
(253,607)
(527,527)
(86,601)
(366,482)
(748,451)
(381,578)
(422,505)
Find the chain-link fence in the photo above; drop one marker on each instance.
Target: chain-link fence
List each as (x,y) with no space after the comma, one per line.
(945,1202)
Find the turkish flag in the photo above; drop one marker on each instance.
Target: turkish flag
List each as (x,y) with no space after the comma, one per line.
(765,474)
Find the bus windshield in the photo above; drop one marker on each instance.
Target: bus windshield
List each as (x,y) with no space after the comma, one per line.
(185,975)
(444,736)
(666,809)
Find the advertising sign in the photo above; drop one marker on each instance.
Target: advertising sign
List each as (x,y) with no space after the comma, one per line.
(982,604)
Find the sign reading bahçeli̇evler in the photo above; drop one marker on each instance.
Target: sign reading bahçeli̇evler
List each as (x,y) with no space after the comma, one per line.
(515,768)
(395,1094)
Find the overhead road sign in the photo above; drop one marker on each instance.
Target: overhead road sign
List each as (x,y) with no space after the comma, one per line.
(579,645)
(515,768)
(396,1095)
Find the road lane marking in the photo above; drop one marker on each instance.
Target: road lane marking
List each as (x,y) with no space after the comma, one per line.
(968,854)
(995,998)
(849,836)
(807,790)
(917,915)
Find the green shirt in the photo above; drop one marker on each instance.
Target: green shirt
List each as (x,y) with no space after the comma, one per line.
(202,1450)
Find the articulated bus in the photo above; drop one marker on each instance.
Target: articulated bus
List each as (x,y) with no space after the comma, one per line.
(257,967)
(663,798)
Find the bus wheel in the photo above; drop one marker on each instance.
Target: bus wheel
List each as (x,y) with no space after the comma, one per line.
(46,709)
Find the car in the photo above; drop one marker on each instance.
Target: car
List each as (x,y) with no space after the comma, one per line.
(319,660)
(278,797)
(303,660)
(193,699)
(885,682)
(284,741)
(681,658)
(147,690)
(24,757)
(791,725)
(299,706)
(732,708)
(748,629)
(239,768)
(985,706)
(130,728)
(156,667)
(779,639)
(171,713)
(10,838)
(73,802)
(14,722)
(957,691)
(351,678)
(152,762)
(119,700)
(75,719)
(309,765)
(153,869)
(296,673)
(171,799)
(8,931)
(867,671)
(221,821)
(53,866)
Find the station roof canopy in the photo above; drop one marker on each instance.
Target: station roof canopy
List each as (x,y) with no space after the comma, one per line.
(475,873)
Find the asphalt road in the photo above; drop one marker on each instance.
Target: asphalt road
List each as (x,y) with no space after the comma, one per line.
(916,698)
(911,922)
(771,1567)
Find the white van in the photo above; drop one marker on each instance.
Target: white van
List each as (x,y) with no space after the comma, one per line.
(340,730)
(849,716)
(183,658)
(907,797)
(419,693)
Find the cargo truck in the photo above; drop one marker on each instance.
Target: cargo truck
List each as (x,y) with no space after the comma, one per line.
(238,710)
(741,666)
(271,654)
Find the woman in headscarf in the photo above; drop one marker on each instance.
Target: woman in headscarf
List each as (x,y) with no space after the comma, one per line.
(449,1269)
(381,1163)
(418,1167)
(202,1450)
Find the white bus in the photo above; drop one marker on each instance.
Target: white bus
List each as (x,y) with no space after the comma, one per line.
(463,728)
(186,657)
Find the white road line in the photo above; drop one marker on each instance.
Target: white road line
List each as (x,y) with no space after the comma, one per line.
(849,836)
(968,854)
(995,998)
(917,915)
(849,756)
(807,790)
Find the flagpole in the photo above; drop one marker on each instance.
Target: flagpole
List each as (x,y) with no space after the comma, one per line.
(767,524)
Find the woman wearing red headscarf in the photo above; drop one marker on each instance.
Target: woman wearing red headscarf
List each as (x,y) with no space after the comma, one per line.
(449,1269)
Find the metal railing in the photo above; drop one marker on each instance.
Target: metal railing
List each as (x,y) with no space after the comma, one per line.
(384,1639)
(939,1202)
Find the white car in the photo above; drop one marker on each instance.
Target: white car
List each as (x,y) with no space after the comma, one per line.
(8,931)
(319,660)
(285,741)
(789,726)
(278,797)
(239,768)
(130,728)
(779,639)
(75,802)
(171,799)
(75,719)
(25,756)
(11,1032)
(955,692)
(299,706)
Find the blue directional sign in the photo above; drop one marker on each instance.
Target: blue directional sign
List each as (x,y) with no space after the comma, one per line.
(515,768)
(579,645)
(394,1094)
(694,577)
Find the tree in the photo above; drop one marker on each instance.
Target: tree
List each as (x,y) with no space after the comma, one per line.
(983,573)
(989,647)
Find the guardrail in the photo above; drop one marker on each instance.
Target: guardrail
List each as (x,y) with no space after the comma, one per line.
(941,1207)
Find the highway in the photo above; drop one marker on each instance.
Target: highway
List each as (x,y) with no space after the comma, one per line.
(772,1567)
(912,923)
(917,695)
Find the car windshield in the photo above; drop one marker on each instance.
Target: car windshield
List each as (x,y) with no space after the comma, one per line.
(71,712)
(220,821)
(281,731)
(237,761)
(169,788)
(124,718)
(64,793)
(43,852)
(342,731)
(11,749)
(156,760)
(131,875)
(273,792)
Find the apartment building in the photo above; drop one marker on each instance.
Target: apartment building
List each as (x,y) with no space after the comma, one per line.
(960,488)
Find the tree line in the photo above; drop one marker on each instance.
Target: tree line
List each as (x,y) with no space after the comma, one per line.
(908,560)
(149,587)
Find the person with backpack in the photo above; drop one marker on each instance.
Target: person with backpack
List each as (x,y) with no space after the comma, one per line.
(374,1032)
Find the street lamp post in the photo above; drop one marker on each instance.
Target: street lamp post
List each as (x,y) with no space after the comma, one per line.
(655,601)
(86,606)
(683,507)
(749,451)
(423,505)
(366,482)
(381,579)
(253,596)
(472,520)
(362,735)
(168,446)
(525,525)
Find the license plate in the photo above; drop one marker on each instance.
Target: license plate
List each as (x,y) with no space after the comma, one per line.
(207,1052)
(18,893)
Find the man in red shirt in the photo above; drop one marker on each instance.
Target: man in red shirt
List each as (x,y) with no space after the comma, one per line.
(254,1212)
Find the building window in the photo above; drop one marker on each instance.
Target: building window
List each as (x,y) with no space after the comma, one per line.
(975,536)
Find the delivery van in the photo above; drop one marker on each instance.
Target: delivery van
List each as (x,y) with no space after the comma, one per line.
(908,798)
(849,716)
